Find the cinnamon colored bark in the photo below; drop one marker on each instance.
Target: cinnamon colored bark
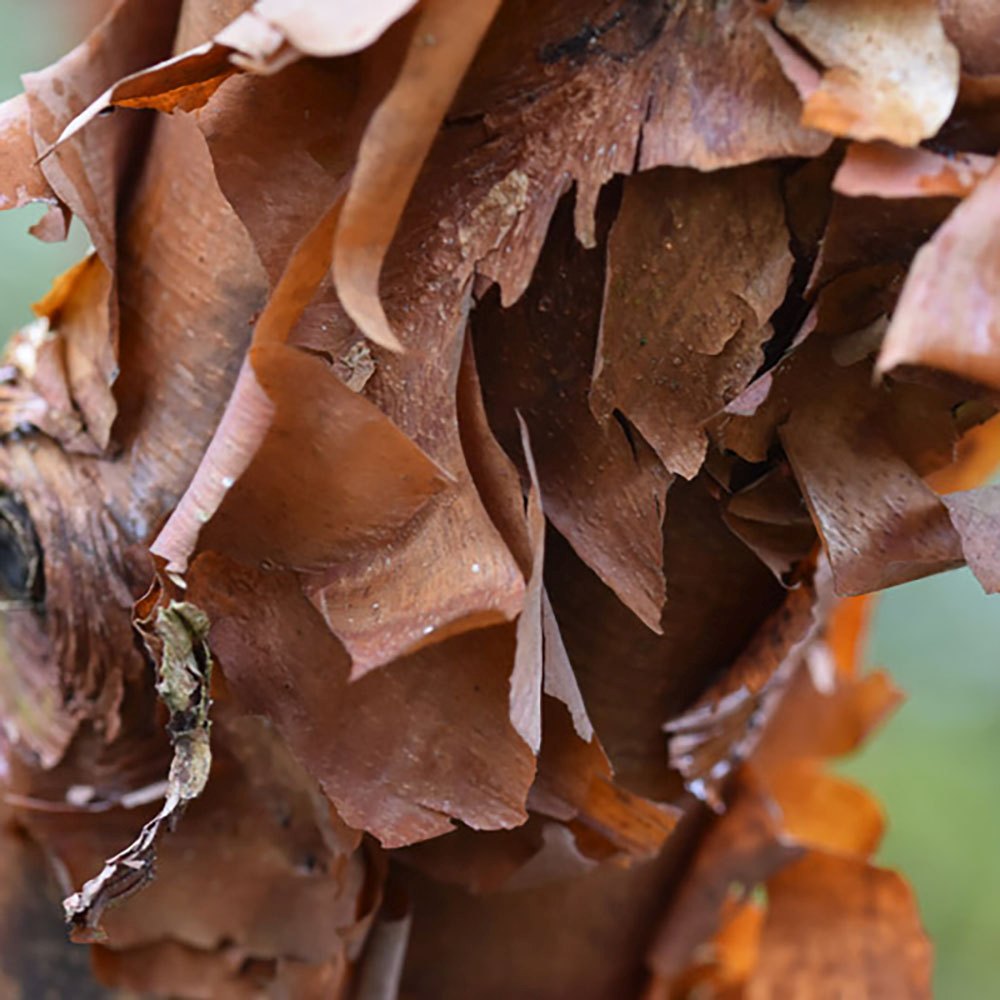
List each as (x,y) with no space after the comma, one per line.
(423,515)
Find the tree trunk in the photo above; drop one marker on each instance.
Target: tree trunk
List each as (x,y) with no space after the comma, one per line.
(436,515)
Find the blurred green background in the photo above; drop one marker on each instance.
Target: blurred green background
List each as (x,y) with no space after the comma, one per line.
(33,35)
(931,766)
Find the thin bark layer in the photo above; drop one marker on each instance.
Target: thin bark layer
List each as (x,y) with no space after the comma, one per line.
(425,514)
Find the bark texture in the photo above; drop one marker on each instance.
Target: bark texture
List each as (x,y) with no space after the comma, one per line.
(436,517)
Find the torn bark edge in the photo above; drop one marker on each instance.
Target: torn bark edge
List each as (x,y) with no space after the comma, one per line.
(175,636)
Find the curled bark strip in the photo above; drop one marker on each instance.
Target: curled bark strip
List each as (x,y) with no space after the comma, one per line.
(396,142)
(264,39)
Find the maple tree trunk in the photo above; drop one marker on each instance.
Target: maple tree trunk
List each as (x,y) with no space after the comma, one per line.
(437,514)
